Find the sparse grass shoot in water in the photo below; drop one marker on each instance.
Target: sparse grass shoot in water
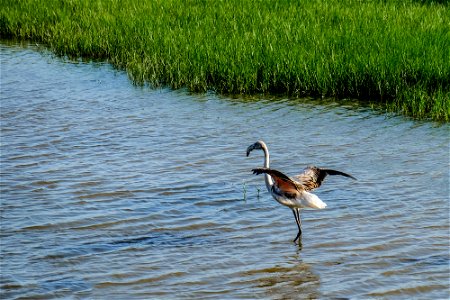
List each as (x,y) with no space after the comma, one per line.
(394,52)
(244,189)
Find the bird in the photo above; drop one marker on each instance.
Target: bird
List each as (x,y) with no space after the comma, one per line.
(293,192)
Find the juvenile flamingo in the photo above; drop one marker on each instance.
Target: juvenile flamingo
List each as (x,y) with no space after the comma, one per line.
(293,193)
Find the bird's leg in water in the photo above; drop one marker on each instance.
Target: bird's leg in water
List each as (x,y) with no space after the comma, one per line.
(296,212)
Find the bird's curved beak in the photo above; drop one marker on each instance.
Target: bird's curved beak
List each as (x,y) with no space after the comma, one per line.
(250,149)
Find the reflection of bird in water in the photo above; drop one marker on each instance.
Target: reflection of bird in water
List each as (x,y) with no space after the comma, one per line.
(293,193)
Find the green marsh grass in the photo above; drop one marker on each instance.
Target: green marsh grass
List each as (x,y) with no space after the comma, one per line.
(392,52)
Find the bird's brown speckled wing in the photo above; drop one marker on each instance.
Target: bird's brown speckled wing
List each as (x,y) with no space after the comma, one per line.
(312,177)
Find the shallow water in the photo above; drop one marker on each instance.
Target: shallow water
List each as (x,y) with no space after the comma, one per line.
(112,190)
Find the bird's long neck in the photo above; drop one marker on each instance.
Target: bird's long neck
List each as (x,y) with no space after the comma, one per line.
(267,178)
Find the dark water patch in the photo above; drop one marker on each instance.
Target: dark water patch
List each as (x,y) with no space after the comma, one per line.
(154,240)
(107,195)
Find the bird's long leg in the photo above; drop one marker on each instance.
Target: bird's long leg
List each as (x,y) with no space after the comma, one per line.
(299,222)
(296,212)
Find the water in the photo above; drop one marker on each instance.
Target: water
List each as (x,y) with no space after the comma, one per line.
(112,190)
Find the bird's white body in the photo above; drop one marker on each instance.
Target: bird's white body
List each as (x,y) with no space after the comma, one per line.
(303,200)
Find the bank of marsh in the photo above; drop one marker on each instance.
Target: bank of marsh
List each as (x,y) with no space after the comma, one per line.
(393,52)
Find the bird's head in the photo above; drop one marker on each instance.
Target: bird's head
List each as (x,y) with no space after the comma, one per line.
(259,145)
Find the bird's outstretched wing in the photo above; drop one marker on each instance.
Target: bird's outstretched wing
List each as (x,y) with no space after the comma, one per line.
(312,177)
(283,184)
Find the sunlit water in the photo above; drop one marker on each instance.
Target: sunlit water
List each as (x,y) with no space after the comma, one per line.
(114,191)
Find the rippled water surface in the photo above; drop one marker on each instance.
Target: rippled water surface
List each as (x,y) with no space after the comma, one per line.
(112,190)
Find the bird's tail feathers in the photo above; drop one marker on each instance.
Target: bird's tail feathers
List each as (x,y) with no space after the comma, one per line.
(312,201)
